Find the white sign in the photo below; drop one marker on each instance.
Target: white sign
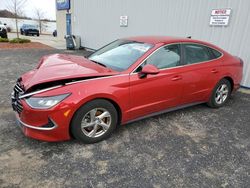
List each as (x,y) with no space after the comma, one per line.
(220,17)
(123,21)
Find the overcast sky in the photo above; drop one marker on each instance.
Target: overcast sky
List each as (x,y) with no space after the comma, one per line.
(48,6)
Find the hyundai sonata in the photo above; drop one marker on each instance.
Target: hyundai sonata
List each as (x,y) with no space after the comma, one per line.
(129,79)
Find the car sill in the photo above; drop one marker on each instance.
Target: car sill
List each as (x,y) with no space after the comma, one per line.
(163,111)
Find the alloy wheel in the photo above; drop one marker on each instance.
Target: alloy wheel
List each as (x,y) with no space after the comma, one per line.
(221,94)
(96,122)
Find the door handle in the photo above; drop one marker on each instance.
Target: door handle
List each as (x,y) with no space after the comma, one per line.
(175,78)
(214,71)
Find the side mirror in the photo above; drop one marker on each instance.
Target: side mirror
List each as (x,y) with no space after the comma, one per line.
(148,69)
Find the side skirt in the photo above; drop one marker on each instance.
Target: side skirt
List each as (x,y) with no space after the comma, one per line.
(163,111)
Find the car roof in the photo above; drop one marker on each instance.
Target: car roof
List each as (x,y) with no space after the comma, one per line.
(169,39)
(162,39)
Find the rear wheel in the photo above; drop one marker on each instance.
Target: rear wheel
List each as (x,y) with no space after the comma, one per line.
(5,36)
(94,122)
(221,94)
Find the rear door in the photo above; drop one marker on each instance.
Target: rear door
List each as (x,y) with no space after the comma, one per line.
(200,72)
(154,93)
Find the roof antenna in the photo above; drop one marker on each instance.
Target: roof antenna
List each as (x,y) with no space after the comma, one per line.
(189,37)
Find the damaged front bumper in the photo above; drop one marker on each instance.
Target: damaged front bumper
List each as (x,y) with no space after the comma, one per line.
(47,125)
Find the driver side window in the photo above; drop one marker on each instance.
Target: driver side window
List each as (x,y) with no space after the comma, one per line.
(165,57)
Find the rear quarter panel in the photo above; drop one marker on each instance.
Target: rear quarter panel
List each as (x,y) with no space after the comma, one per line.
(232,67)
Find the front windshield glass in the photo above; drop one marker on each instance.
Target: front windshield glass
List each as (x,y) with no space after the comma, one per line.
(120,54)
(31,26)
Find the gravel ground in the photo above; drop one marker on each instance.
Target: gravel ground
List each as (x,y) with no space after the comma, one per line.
(193,147)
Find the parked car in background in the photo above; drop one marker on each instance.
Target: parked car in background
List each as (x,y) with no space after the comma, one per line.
(55,33)
(28,29)
(3,30)
(127,80)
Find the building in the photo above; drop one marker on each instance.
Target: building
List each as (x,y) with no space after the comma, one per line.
(225,23)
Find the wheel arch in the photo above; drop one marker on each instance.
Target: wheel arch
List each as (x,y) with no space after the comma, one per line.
(111,100)
(229,78)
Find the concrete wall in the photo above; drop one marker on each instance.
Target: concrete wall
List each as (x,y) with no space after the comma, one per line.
(48,27)
(61,23)
(97,22)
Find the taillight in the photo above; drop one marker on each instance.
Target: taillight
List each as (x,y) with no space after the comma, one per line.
(241,62)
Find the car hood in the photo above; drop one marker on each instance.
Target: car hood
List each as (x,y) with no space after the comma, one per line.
(60,67)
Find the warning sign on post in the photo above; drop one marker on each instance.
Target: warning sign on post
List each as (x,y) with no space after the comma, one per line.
(220,17)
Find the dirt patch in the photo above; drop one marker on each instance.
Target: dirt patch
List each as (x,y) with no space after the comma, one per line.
(31,45)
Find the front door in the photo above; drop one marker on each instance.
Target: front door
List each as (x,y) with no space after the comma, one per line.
(154,93)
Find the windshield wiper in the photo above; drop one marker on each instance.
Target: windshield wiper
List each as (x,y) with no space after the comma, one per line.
(99,63)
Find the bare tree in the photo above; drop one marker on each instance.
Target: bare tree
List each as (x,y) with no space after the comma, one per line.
(40,16)
(16,7)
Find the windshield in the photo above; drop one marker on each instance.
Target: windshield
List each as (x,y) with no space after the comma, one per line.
(31,26)
(120,54)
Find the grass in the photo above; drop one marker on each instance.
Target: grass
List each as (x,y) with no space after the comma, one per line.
(19,40)
(4,40)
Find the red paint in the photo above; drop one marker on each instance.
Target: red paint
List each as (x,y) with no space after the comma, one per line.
(135,96)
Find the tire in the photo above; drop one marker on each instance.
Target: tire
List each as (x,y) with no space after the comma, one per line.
(37,35)
(221,93)
(26,33)
(5,36)
(94,121)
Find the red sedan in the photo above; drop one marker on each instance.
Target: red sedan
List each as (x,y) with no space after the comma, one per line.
(129,79)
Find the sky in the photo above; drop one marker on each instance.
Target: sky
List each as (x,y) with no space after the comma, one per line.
(48,7)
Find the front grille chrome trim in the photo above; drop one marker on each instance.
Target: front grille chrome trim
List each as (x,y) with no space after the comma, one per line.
(15,100)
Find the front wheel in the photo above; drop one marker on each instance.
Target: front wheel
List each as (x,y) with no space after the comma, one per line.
(94,121)
(5,36)
(221,94)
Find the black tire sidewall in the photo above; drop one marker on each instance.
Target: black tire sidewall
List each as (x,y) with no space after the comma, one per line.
(75,126)
(212,101)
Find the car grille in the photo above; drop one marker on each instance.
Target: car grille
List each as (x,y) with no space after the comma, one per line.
(15,101)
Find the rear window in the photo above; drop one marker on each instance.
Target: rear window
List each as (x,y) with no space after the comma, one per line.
(216,53)
(195,53)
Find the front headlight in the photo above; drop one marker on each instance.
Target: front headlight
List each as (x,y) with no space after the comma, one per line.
(45,102)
